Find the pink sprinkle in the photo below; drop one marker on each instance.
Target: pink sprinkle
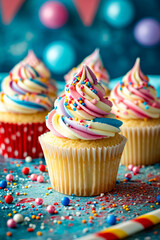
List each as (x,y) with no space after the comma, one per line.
(81,121)
(81,87)
(89,202)
(125,113)
(33,177)
(91,88)
(70,97)
(89,126)
(154,104)
(26,98)
(130,167)
(40,179)
(94,101)
(78,107)
(83,94)
(136,170)
(71,87)
(38,100)
(39,201)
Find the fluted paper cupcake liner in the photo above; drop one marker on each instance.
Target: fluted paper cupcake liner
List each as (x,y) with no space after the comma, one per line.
(143,145)
(21,140)
(83,172)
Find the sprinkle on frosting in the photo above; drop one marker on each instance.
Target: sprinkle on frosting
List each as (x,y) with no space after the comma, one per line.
(83,112)
(94,61)
(24,91)
(134,97)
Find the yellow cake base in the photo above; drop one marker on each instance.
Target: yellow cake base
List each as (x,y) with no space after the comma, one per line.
(23,118)
(83,168)
(143,141)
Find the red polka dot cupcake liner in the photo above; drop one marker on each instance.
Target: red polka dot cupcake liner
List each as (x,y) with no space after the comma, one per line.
(21,140)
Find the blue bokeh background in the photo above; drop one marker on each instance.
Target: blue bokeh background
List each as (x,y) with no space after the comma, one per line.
(117,46)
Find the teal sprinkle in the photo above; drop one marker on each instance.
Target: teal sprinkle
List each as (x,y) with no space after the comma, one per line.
(86,125)
(75,104)
(65,104)
(147,107)
(145,103)
(120,88)
(55,108)
(74,109)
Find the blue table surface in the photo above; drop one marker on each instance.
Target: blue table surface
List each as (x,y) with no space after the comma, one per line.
(139,195)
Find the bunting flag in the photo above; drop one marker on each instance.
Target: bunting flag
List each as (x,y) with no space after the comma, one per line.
(9,8)
(87,10)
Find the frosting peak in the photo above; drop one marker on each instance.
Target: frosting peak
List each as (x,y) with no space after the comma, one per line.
(24,91)
(83,112)
(94,61)
(134,97)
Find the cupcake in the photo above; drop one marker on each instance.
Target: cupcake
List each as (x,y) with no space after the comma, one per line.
(94,61)
(83,147)
(135,102)
(25,100)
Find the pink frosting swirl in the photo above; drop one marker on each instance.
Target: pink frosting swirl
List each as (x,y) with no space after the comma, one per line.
(134,97)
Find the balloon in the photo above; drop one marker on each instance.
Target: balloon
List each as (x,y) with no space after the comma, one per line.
(53,14)
(59,56)
(119,13)
(147,32)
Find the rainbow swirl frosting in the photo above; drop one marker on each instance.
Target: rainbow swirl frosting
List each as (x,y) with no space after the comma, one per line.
(83,112)
(134,97)
(32,60)
(24,91)
(94,61)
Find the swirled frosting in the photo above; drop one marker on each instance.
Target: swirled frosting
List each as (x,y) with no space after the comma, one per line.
(24,91)
(134,97)
(32,60)
(94,61)
(83,112)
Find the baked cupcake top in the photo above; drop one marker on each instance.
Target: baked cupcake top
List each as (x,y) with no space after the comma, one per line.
(83,112)
(25,91)
(94,61)
(134,97)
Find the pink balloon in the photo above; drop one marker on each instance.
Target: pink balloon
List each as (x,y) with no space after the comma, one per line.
(53,14)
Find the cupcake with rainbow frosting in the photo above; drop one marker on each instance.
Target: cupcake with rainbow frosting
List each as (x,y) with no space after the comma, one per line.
(83,147)
(94,61)
(25,99)
(135,102)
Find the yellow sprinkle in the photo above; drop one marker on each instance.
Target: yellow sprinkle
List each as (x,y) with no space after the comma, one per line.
(83,221)
(102,208)
(127,209)
(95,214)
(26,186)
(39,233)
(37,217)
(113,205)
(17,165)
(59,222)
(8,183)
(9,214)
(151,206)
(47,193)
(127,194)
(90,217)
(15,211)
(157,203)
(33,216)
(25,193)
(14,183)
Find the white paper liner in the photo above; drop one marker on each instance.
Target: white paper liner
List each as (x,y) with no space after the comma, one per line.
(83,172)
(143,145)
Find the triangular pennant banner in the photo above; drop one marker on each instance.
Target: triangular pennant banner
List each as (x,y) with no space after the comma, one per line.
(9,8)
(87,10)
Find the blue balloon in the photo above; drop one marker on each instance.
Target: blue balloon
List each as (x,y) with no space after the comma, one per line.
(119,13)
(59,56)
